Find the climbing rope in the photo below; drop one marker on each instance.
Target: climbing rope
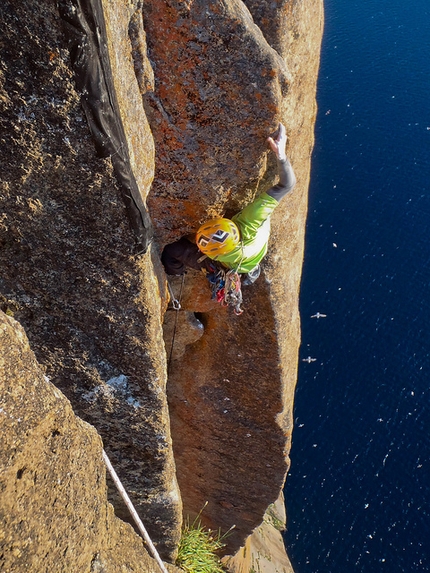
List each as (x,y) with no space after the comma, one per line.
(133,512)
(176,303)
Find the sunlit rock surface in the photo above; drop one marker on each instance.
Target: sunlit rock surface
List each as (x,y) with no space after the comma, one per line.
(54,514)
(198,85)
(264,550)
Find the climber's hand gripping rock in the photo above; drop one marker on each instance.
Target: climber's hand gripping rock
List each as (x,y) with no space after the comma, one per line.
(278,145)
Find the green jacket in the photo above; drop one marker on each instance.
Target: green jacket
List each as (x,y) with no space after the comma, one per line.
(254,226)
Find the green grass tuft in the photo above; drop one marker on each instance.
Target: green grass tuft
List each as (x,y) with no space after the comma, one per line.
(197,549)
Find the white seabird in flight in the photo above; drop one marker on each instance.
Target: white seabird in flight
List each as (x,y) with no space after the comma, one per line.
(318,315)
(309,359)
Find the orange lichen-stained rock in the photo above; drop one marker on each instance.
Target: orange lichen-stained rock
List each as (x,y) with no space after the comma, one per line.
(219,88)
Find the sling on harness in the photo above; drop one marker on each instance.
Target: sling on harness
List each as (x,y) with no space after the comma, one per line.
(225,286)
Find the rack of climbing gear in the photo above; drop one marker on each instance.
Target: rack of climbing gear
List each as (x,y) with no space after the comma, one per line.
(233,291)
(225,286)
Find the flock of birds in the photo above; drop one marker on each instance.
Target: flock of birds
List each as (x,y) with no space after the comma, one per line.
(309,359)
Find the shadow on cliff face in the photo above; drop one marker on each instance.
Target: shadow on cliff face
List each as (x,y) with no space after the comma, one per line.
(85,29)
(92,311)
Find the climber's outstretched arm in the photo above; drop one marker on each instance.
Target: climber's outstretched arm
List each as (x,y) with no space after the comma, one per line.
(287,179)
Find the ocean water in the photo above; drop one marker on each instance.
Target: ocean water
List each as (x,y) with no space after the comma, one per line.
(358,493)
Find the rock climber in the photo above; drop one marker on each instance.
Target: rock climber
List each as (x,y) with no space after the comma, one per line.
(239,243)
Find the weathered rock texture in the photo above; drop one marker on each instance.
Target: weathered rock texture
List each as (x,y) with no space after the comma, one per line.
(231,392)
(92,312)
(264,550)
(199,85)
(211,111)
(54,514)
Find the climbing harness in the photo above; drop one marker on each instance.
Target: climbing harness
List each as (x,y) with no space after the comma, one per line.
(225,284)
(176,303)
(133,512)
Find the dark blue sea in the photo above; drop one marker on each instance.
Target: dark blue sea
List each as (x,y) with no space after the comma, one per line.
(358,494)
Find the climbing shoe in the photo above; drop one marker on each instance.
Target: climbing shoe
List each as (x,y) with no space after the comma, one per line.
(252,276)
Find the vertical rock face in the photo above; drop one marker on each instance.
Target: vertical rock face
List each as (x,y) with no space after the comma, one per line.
(54,514)
(91,310)
(197,86)
(241,67)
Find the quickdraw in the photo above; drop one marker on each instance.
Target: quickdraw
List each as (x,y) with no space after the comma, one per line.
(176,303)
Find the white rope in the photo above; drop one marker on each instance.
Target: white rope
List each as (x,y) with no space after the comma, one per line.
(133,512)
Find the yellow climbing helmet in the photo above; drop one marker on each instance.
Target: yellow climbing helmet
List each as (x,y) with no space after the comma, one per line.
(218,237)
